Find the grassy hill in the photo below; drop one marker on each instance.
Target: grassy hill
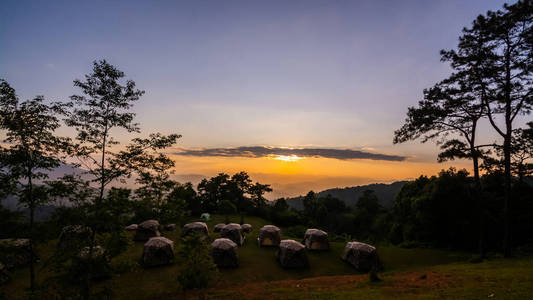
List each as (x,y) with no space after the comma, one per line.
(494,279)
(259,272)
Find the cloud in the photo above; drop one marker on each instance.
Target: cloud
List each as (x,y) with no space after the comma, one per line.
(263,151)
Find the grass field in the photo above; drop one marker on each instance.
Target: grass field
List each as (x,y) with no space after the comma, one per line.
(408,273)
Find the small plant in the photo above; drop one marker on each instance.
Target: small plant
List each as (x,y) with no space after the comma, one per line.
(296,231)
(476,259)
(198,269)
(373,276)
(125,266)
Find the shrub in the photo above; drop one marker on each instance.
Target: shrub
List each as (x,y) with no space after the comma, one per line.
(198,269)
(296,231)
(285,218)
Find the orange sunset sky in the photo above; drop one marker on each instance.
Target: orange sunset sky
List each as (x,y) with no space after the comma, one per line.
(301,95)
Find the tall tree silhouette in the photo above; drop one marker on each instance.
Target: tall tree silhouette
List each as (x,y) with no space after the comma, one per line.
(31,148)
(453,106)
(451,111)
(104,106)
(493,78)
(241,183)
(510,79)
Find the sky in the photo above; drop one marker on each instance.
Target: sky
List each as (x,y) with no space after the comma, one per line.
(303,95)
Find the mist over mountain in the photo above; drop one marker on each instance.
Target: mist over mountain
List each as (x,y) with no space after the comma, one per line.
(350,195)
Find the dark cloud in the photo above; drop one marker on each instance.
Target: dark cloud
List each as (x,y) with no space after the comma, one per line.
(262,151)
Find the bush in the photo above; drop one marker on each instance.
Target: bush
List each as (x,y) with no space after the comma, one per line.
(12,223)
(296,231)
(198,269)
(285,218)
(84,267)
(342,238)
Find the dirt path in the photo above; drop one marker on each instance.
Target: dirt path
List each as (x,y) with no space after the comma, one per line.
(393,284)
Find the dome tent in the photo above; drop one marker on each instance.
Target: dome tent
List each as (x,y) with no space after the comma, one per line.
(205,217)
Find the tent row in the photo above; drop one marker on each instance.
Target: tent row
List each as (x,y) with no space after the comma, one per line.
(224,250)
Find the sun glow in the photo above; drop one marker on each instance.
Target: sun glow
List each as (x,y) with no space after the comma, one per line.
(288,158)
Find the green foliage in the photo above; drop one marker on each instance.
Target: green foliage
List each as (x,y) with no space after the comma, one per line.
(30,148)
(245,196)
(370,218)
(521,154)
(285,217)
(227,208)
(104,106)
(437,209)
(99,266)
(280,205)
(257,191)
(115,242)
(198,269)
(441,211)
(312,209)
(295,231)
(214,190)
(11,222)
(186,193)
(280,214)
(174,210)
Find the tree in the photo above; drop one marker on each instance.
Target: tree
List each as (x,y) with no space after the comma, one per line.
(334,205)
(227,208)
(280,205)
(32,148)
(102,108)
(436,210)
(314,210)
(493,77)
(369,201)
(257,191)
(153,168)
(367,210)
(198,268)
(454,107)
(521,154)
(188,194)
(241,185)
(451,107)
(213,191)
(509,80)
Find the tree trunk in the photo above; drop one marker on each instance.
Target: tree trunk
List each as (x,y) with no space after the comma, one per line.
(507,157)
(87,287)
(479,203)
(32,213)
(477,190)
(102,170)
(507,199)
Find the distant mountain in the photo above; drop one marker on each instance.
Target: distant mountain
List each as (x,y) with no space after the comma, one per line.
(44,212)
(350,195)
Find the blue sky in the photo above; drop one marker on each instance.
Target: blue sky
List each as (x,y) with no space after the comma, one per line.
(334,74)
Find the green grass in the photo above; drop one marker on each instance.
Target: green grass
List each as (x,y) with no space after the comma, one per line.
(258,265)
(494,279)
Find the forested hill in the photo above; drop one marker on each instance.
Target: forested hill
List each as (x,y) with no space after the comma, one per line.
(350,195)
